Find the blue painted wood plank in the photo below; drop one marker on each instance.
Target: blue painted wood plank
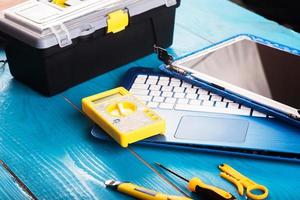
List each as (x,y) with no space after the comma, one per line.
(198,24)
(216,20)
(57,158)
(281,178)
(46,142)
(9,189)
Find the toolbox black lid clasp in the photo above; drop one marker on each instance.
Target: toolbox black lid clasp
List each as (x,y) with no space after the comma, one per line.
(117,21)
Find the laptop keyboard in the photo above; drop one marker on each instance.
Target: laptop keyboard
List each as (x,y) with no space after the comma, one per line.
(171,93)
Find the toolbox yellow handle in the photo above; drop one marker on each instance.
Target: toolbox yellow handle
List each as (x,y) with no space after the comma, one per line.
(117,21)
(59,2)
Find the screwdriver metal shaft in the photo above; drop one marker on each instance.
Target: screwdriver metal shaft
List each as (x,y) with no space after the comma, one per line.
(172,172)
(208,192)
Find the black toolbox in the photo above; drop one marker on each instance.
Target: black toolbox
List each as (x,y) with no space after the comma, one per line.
(52,47)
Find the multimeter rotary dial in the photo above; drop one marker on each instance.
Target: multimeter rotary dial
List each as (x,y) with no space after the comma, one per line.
(121,109)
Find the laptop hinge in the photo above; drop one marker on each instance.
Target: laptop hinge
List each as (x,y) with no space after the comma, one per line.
(163,55)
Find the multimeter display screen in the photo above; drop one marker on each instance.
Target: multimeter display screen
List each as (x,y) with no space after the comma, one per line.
(261,69)
(107,98)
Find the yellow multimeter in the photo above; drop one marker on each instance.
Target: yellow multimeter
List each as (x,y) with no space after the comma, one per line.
(124,117)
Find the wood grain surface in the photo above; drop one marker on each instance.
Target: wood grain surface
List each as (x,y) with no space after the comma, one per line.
(47,141)
(9,189)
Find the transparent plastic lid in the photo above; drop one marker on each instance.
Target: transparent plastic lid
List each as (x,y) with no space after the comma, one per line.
(42,14)
(5,4)
(36,22)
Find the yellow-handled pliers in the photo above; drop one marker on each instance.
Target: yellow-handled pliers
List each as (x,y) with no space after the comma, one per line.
(241,182)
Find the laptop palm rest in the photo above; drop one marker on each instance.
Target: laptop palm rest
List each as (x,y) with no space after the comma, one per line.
(212,129)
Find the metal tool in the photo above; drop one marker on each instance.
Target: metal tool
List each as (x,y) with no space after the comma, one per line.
(241,182)
(2,64)
(208,192)
(140,192)
(18,181)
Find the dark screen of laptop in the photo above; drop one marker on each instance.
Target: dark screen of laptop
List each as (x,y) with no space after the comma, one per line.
(261,69)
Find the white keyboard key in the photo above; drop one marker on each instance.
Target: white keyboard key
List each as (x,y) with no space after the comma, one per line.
(183,101)
(167,88)
(203,97)
(241,112)
(140,86)
(155,93)
(164,78)
(142,76)
(139,91)
(202,91)
(140,80)
(233,105)
(247,109)
(163,82)
(191,90)
(207,103)
(211,109)
(178,89)
(170,100)
(153,77)
(158,99)
(175,80)
(244,107)
(152,104)
(144,98)
(167,94)
(179,95)
(195,102)
(186,85)
(220,104)
(154,87)
(166,105)
(175,84)
(216,98)
(258,114)
(191,96)
(151,81)
(227,100)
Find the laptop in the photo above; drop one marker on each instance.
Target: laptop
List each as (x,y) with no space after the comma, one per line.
(199,117)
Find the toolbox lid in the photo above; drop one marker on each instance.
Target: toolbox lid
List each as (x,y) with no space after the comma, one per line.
(43,24)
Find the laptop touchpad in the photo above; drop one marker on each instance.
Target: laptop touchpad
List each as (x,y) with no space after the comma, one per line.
(212,129)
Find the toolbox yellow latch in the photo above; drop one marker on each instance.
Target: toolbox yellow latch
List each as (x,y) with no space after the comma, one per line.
(117,21)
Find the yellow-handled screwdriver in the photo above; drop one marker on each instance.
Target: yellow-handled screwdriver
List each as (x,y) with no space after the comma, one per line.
(208,192)
(140,192)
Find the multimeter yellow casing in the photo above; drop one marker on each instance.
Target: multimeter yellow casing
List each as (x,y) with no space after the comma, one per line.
(124,117)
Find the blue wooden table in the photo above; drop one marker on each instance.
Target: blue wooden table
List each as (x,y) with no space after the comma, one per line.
(46,141)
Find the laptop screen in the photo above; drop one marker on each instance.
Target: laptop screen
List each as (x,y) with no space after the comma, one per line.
(255,67)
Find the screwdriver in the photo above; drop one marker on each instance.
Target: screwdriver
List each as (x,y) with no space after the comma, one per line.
(207,192)
(140,192)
